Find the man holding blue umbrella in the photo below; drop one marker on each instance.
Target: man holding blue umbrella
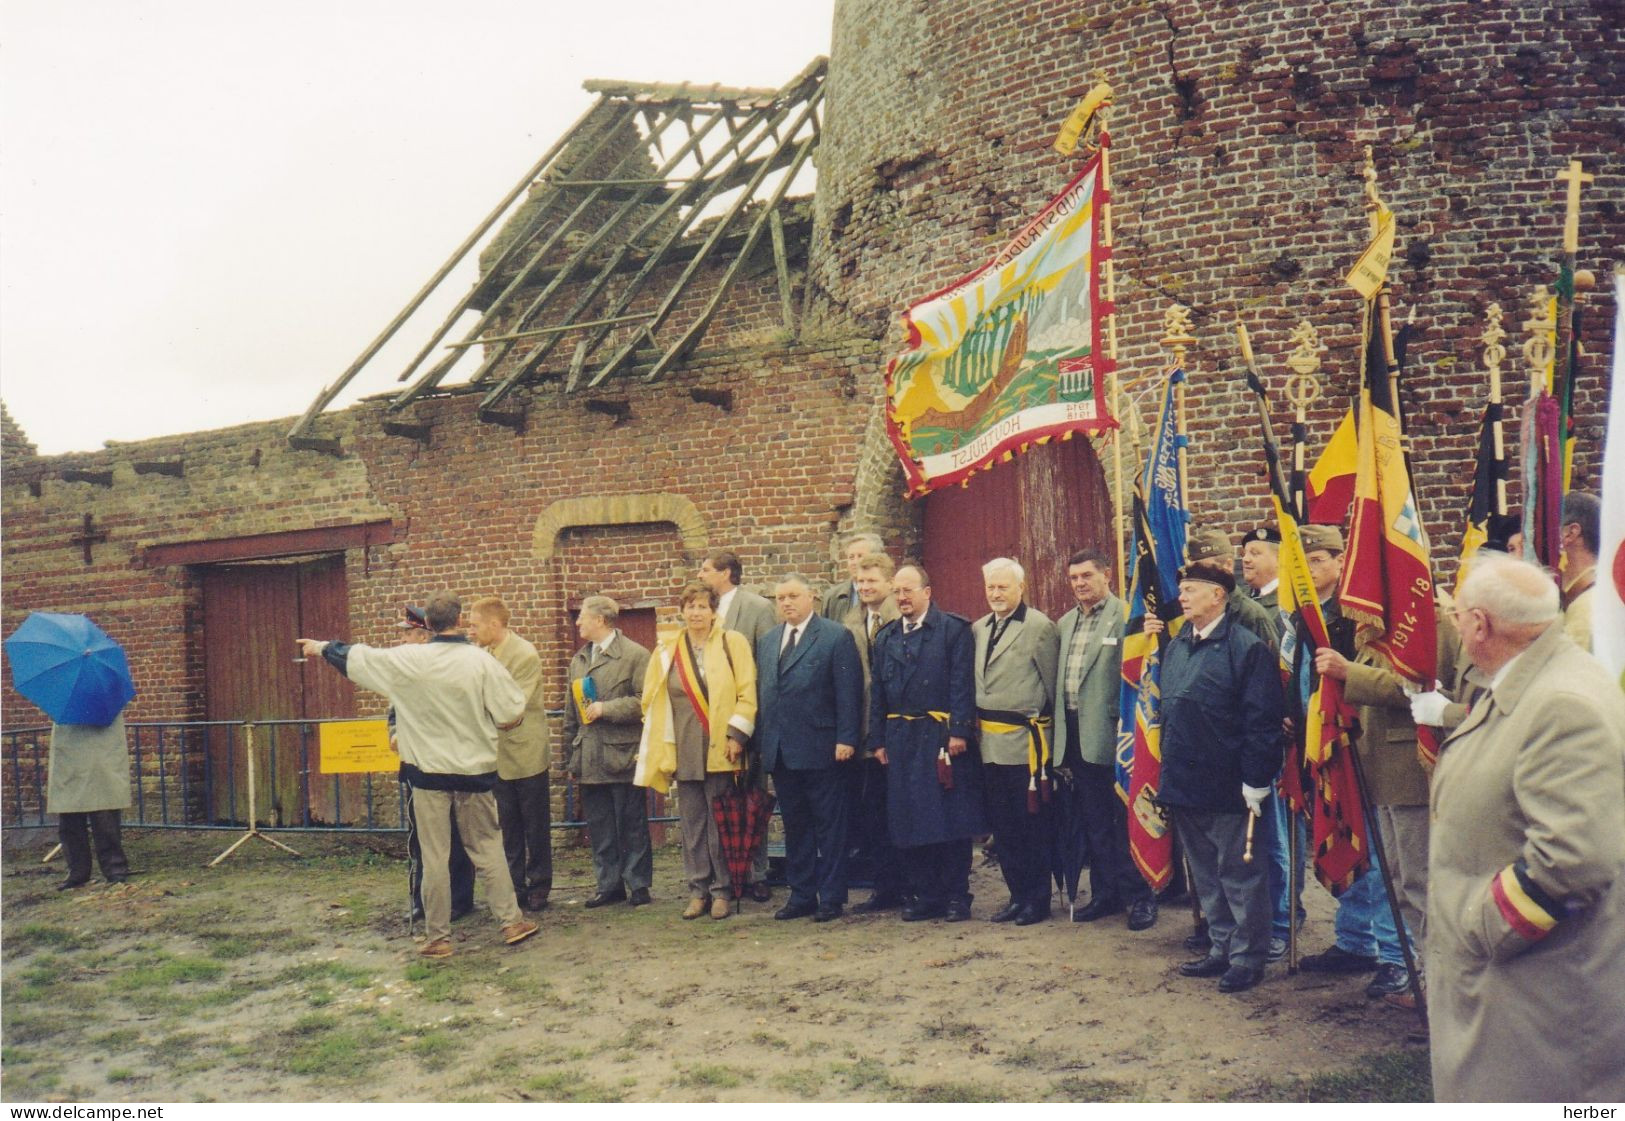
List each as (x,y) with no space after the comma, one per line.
(88,787)
(81,679)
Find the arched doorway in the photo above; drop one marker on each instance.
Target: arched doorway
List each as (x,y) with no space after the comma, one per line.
(1039,508)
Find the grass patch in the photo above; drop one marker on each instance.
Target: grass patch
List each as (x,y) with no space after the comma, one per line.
(770,1041)
(942,1029)
(121,1074)
(712,1076)
(44,936)
(166,972)
(336,971)
(805,1083)
(442,982)
(569,1086)
(35,1027)
(869,1079)
(326,1047)
(936,1092)
(175,1048)
(119,1039)
(1385,1076)
(1077,1088)
(437,1048)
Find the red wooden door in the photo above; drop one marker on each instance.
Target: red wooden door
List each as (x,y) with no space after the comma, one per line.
(252,613)
(1039,509)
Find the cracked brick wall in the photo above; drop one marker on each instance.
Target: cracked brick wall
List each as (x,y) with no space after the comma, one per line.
(1237,188)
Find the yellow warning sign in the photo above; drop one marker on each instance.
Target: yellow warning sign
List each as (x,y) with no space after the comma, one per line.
(352,747)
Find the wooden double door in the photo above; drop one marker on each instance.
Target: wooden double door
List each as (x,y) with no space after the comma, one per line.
(252,615)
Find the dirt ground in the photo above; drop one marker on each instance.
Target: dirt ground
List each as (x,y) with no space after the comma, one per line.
(272,978)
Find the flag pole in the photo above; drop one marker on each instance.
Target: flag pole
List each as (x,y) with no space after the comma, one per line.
(1494,355)
(1374,206)
(1176,336)
(1114,389)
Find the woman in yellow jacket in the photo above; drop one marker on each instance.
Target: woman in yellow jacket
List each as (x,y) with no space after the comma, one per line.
(699,709)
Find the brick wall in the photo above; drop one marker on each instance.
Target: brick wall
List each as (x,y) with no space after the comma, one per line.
(1237,187)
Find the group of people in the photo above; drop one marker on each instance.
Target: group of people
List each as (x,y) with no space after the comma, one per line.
(898,731)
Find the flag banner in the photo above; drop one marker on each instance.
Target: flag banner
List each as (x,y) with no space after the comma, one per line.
(1608,601)
(1370,272)
(1330,488)
(1010,356)
(1387,585)
(1540,440)
(1489,478)
(1318,776)
(1160,522)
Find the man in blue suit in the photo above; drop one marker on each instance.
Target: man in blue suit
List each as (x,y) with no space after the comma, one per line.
(809,686)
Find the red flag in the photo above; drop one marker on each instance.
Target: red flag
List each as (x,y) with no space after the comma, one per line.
(1387,585)
(1330,484)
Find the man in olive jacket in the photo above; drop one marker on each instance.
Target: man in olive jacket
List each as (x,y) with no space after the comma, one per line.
(602,737)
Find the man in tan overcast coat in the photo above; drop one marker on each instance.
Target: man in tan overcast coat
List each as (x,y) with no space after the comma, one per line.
(1526,878)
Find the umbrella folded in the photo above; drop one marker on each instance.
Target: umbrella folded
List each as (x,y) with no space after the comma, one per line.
(67,666)
(1069,841)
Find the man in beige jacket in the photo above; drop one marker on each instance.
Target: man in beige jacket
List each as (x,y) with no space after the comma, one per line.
(1526,876)
(523,790)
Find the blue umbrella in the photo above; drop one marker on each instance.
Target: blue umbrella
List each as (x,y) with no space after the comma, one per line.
(69,668)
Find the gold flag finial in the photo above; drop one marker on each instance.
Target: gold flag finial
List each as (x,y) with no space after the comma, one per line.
(1304,387)
(1494,352)
(1088,110)
(1541,344)
(1176,327)
(1576,178)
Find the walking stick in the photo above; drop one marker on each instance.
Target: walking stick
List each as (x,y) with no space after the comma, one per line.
(1247,852)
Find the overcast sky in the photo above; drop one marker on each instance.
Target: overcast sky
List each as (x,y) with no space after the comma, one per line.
(209,207)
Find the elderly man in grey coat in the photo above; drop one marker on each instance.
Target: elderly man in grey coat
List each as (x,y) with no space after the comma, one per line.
(87,786)
(1526,868)
(1017,649)
(601,736)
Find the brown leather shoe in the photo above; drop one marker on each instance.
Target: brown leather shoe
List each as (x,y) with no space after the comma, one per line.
(720,907)
(518,931)
(439,948)
(696,907)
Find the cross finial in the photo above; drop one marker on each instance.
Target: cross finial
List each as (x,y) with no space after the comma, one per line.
(1176,326)
(1576,178)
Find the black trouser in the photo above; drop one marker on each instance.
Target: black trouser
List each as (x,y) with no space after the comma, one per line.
(1112,874)
(939,873)
(461,867)
(1022,837)
(873,832)
(77,831)
(524,807)
(816,806)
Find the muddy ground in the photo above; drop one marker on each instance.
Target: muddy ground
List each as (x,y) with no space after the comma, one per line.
(271,978)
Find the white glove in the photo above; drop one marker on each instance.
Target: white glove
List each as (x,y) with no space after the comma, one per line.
(1428,708)
(1254,797)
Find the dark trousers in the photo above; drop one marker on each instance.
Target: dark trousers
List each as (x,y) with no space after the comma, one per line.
(618,826)
(524,806)
(1112,874)
(77,832)
(939,873)
(460,866)
(1022,837)
(817,809)
(871,831)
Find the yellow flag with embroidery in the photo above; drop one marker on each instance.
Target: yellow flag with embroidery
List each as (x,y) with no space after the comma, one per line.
(1010,356)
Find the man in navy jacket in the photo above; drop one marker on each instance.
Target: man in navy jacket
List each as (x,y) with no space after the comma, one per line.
(1221,749)
(809,686)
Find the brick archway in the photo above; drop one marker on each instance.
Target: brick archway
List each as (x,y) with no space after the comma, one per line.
(621,509)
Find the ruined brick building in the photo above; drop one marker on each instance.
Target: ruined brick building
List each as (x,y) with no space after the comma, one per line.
(1237,134)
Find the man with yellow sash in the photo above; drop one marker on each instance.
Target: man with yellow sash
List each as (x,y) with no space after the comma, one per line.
(922,724)
(1017,652)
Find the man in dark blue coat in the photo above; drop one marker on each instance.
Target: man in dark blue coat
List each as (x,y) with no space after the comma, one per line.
(922,720)
(809,686)
(1221,749)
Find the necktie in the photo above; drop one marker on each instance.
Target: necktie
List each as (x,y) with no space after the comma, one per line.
(874,625)
(789,645)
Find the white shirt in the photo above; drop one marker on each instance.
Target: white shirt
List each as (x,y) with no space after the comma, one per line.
(724,600)
(1267,588)
(910,628)
(1203,632)
(793,634)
